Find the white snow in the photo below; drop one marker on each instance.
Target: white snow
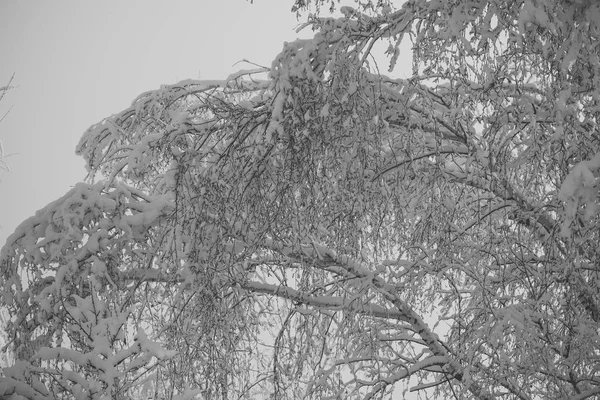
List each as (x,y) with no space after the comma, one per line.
(153,348)
(580,189)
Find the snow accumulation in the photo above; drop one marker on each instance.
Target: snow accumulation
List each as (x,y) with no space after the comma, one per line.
(580,189)
(152,347)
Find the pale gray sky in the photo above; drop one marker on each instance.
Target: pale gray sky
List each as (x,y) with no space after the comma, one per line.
(76,62)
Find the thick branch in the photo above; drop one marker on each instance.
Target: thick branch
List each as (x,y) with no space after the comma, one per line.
(586,395)
(328,302)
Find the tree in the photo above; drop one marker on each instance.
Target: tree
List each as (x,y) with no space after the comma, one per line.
(320,230)
(3,90)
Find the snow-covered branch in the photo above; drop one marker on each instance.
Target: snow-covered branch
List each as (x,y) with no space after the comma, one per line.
(326,302)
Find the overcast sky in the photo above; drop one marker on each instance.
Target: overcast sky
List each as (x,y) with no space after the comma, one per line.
(76,62)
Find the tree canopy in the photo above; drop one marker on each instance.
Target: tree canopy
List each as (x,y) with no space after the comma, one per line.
(317,229)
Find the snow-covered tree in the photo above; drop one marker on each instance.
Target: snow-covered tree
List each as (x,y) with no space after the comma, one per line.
(317,229)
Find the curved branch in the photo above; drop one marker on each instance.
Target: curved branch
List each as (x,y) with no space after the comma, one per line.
(462,151)
(328,302)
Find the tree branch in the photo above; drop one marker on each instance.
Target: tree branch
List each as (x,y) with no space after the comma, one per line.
(328,302)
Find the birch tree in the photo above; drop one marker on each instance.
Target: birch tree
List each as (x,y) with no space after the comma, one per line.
(320,229)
